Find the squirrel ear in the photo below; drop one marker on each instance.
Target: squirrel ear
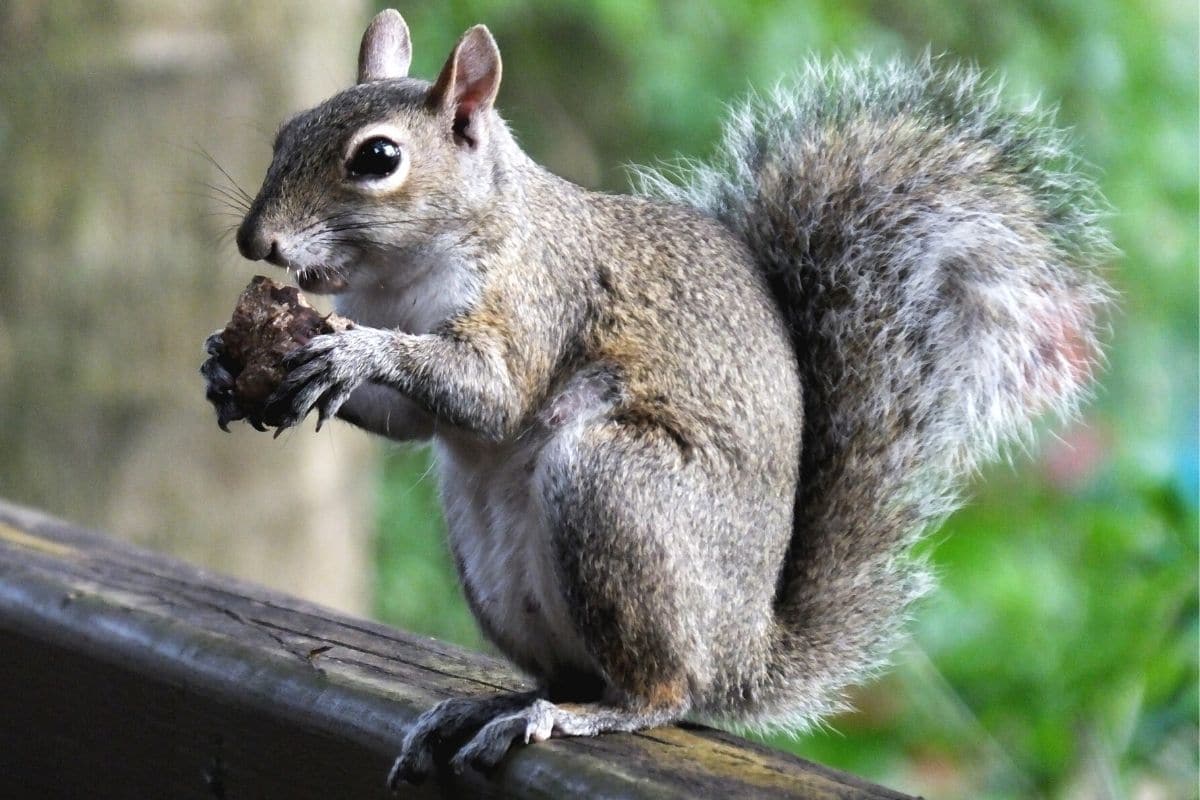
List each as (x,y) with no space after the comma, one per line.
(386,49)
(468,83)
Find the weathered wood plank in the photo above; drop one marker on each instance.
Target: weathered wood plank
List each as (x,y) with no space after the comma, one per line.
(128,674)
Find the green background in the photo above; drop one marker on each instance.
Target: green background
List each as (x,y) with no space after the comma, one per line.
(1059,656)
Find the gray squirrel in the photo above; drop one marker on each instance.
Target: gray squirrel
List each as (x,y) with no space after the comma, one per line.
(685,438)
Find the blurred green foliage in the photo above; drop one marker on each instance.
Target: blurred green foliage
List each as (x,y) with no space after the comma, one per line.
(1059,656)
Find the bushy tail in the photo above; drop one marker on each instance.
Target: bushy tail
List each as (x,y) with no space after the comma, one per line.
(934,252)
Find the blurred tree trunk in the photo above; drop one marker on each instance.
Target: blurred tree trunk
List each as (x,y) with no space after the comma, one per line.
(113,269)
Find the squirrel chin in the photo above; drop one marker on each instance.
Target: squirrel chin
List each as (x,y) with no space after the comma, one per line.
(312,283)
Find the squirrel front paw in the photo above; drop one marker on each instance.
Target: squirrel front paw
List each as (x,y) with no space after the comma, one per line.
(325,372)
(220,384)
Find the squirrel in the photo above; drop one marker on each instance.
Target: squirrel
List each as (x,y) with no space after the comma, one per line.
(686,437)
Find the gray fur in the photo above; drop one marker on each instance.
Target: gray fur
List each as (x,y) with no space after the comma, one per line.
(386,49)
(885,259)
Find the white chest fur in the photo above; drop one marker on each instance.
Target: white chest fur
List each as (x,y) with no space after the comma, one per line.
(412,293)
(499,533)
(497,525)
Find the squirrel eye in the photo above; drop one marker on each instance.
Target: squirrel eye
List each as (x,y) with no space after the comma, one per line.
(377,157)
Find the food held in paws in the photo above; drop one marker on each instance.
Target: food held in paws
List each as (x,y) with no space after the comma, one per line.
(270,321)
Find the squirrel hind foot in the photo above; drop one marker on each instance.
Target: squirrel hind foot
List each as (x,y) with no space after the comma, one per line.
(478,732)
(541,719)
(438,733)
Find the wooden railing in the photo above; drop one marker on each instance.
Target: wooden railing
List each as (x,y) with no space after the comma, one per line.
(127,674)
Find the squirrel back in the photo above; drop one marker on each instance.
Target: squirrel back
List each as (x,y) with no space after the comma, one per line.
(934,254)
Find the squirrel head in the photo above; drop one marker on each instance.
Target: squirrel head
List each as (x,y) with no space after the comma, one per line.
(384,167)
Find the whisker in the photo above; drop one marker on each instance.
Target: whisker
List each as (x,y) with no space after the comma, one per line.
(227,198)
(242,192)
(214,193)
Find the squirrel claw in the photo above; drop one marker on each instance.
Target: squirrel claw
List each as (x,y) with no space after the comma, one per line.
(219,385)
(450,722)
(488,747)
(412,768)
(214,345)
(324,373)
(330,404)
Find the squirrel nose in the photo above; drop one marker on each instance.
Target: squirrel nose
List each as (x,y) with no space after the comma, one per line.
(255,244)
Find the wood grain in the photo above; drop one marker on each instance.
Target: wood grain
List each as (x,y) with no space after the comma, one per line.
(128,674)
